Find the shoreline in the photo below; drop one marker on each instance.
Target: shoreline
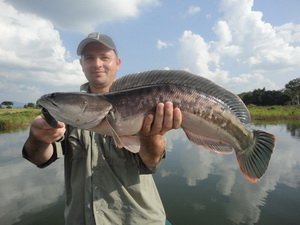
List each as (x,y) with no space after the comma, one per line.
(274,118)
(17,118)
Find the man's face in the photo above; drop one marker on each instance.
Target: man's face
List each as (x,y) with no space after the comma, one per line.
(100,65)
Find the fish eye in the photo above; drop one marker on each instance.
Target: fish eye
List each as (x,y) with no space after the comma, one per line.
(52,95)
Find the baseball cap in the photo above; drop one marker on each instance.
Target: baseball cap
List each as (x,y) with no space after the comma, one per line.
(96,37)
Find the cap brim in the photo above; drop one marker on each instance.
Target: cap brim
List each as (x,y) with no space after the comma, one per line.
(87,41)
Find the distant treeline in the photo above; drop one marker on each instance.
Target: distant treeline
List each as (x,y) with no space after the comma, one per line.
(261,97)
(290,95)
(9,105)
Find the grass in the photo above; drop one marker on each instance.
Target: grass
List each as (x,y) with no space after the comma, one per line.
(12,118)
(274,112)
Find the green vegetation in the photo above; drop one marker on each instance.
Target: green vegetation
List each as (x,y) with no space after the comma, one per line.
(274,112)
(10,118)
(292,89)
(262,97)
(290,95)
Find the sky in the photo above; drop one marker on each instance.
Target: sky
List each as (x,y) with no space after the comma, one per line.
(241,45)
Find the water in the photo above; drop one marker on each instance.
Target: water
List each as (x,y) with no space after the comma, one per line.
(196,186)
(28,194)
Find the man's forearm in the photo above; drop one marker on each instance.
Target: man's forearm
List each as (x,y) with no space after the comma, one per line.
(38,148)
(152,149)
(37,152)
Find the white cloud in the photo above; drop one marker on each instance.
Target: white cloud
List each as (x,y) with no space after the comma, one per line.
(198,49)
(161,44)
(32,58)
(225,46)
(262,47)
(194,10)
(244,45)
(290,32)
(195,56)
(83,16)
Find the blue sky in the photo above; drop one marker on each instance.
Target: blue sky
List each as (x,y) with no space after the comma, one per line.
(240,44)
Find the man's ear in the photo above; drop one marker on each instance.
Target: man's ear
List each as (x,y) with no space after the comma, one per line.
(119,61)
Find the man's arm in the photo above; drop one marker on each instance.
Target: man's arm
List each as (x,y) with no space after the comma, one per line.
(155,126)
(38,147)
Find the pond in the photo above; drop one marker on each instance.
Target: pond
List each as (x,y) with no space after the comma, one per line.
(196,186)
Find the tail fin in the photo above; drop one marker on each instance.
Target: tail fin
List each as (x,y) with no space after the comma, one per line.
(255,160)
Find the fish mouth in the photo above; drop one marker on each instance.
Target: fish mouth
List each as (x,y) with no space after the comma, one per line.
(46,100)
(49,118)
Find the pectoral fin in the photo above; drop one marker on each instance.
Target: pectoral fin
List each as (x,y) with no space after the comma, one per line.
(111,122)
(131,143)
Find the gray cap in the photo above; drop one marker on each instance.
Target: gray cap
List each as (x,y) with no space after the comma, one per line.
(96,37)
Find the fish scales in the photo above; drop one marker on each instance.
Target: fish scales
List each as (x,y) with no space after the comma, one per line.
(144,100)
(213,117)
(212,114)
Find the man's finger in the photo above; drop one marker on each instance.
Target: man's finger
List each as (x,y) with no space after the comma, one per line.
(146,128)
(158,119)
(168,117)
(177,118)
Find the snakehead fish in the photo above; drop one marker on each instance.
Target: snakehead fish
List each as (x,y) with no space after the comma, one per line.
(213,117)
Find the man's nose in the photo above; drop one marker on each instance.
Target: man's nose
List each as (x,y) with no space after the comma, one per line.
(98,62)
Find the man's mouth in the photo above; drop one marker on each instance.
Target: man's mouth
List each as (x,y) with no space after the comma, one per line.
(99,72)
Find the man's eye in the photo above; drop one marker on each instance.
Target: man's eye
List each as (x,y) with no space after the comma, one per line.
(105,58)
(88,58)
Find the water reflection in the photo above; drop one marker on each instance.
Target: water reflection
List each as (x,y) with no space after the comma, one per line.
(196,186)
(24,188)
(244,201)
(294,129)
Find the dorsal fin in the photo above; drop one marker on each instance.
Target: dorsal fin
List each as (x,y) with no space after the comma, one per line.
(184,78)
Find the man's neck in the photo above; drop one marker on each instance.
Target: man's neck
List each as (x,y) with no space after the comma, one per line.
(99,90)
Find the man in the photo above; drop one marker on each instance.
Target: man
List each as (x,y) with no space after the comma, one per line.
(104,184)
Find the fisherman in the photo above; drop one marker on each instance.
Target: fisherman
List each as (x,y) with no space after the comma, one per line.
(104,184)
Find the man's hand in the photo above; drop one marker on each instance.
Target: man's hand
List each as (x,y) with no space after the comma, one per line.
(155,126)
(43,132)
(38,146)
(166,118)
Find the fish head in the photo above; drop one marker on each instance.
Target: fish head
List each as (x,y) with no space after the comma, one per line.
(83,110)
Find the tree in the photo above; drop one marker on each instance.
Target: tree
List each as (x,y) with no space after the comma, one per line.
(292,89)
(8,104)
(29,105)
(261,97)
